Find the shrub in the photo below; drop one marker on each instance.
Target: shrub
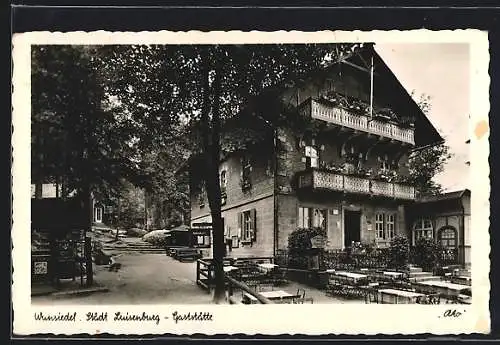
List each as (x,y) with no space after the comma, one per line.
(157,238)
(399,252)
(426,254)
(299,246)
(136,232)
(300,239)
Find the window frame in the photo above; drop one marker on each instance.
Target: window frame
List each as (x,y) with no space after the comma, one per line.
(379,226)
(390,232)
(385,226)
(223,180)
(248,226)
(306,217)
(420,229)
(246,171)
(311,154)
(454,238)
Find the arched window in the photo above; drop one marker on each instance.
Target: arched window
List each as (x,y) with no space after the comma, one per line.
(448,237)
(422,228)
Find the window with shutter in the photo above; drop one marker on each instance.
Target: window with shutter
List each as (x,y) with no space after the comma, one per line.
(248,221)
(253,214)
(240,225)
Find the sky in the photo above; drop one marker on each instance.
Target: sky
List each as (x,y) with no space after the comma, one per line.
(442,72)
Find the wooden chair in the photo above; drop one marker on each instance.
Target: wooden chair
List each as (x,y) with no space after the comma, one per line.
(299,296)
(371,295)
(265,286)
(434,298)
(422,300)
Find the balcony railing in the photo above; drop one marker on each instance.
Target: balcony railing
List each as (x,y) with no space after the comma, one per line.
(325,180)
(345,118)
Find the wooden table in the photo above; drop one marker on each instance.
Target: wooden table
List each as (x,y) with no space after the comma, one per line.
(446,287)
(277,296)
(352,277)
(267,267)
(394,296)
(394,275)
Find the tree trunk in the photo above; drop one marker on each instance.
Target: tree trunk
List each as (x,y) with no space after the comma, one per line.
(38,190)
(211,146)
(145,211)
(118,219)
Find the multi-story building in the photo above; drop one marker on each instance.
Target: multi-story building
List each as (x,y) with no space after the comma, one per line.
(339,161)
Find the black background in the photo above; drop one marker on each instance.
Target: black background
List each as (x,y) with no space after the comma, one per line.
(29,15)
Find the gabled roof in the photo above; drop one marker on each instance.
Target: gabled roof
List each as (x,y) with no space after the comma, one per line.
(388,84)
(425,132)
(455,195)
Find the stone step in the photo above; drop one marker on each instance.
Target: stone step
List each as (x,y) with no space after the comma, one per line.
(464,273)
(420,274)
(415,269)
(142,250)
(424,278)
(134,248)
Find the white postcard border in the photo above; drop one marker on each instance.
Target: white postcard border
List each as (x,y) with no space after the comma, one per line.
(368,319)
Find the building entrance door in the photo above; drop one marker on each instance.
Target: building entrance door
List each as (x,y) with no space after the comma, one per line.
(352,227)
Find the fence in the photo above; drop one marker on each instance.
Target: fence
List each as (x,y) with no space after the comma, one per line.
(378,258)
(337,259)
(233,283)
(205,268)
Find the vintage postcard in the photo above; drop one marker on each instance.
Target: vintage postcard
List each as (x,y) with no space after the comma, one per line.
(174,182)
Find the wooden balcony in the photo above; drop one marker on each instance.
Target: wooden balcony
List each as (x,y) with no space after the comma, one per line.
(324,180)
(346,118)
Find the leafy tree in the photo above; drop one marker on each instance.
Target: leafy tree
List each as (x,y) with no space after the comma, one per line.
(130,206)
(426,163)
(78,137)
(170,90)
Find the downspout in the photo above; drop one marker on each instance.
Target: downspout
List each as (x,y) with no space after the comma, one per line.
(462,235)
(275,193)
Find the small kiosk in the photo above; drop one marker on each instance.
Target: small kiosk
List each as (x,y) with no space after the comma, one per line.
(195,239)
(59,246)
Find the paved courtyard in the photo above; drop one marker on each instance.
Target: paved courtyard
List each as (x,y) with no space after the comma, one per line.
(156,279)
